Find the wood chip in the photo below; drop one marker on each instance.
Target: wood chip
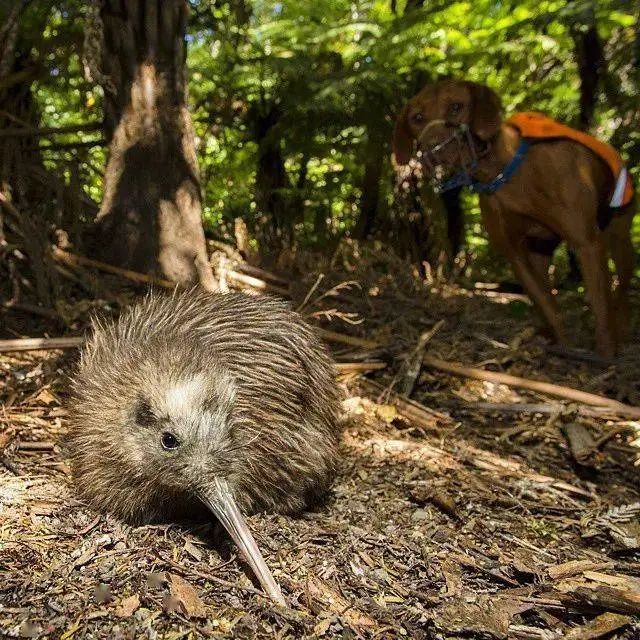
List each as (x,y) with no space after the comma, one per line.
(187,597)
(574,568)
(600,626)
(127,606)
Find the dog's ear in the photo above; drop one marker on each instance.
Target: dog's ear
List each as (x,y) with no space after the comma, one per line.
(402,143)
(486,111)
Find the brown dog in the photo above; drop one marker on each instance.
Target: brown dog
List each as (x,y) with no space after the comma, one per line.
(558,190)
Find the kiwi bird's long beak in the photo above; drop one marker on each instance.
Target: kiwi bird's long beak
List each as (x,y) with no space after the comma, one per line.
(221,501)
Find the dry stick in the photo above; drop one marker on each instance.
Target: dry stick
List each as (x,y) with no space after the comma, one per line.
(207,576)
(414,411)
(603,597)
(33,309)
(547,408)
(581,443)
(261,273)
(256,283)
(414,364)
(534,385)
(41,445)
(359,367)
(74,260)
(340,338)
(40,344)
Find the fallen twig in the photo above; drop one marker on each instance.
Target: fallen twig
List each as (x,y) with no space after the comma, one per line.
(569,393)
(576,354)
(359,367)
(40,344)
(415,412)
(603,625)
(33,309)
(256,283)
(74,260)
(262,274)
(603,597)
(341,338)
(211,578)
(543,408)
(581,443)
(43,445)
(414,362)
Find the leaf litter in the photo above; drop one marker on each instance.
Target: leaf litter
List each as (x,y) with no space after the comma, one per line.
(448,519)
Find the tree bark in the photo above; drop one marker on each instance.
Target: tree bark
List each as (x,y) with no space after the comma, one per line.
(369,201)
(590,61)
(272,181)
(151,214)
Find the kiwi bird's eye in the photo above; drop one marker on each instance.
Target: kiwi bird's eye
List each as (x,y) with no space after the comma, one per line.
(418,117)
(169,441)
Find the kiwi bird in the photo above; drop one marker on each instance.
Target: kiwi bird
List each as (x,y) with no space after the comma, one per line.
(192,400)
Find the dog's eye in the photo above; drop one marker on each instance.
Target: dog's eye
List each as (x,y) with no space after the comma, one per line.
(169,441)
(417,117)
(455,108)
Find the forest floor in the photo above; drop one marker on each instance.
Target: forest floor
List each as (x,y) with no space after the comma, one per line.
(460,520)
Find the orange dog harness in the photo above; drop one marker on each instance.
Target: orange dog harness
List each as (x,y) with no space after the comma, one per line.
(536,126)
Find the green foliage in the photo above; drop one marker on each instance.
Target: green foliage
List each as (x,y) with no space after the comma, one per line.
(319,80)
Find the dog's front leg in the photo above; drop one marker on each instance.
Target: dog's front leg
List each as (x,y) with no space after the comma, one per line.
(593,264)
(539,291)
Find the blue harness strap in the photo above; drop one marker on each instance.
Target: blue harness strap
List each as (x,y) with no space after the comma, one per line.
(464,178)
(506,174)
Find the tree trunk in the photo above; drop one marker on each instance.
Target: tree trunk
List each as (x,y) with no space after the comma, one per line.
(369,200)
(455,220)
(590,62)
(272,182)
(151,214)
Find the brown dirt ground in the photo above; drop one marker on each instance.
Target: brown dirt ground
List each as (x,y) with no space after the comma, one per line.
(461,524)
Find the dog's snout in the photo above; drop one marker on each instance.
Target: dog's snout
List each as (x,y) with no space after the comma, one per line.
(433,133)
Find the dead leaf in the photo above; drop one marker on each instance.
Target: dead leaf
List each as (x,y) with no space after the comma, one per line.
(30,630)
(102,593)
(335,603)
(171,604)
(156,580)
(387,412)
(5,438)
(190,602)
(452,577)
(601,626)
(193,551)
(489,615)
(46,397)
(323,626)
(127,606)
(574,568)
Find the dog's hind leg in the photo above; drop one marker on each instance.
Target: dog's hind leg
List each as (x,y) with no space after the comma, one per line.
(593,264)
(622,253)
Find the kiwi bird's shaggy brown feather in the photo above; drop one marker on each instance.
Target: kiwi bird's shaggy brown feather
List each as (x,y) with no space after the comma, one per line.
(242,385)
